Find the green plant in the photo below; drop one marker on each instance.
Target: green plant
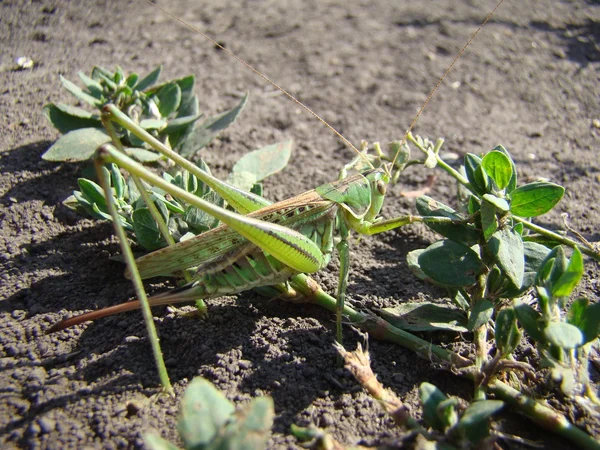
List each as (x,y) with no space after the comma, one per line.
(207,420)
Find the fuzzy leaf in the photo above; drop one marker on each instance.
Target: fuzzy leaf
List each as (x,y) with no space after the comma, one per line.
(169,98)
(148,80)
(512,184)
(79,93)
(251,427)
(266,161)
(204,411)
(210,128)
(67,118)
(564,335)
(590,325)
(535,199)
(489,223)
(77,145)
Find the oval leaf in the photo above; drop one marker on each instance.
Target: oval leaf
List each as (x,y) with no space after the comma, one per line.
(451,263)
(204,411)
(169,98)
(570,277)
(564,335)
(512,184)
(473,421)
(480,314)
(463,233)
(507,249)
(431,397)
(530,319)
(266,161)
(535,199)
(67,118)
(507,333)
(77,145)
(497,166)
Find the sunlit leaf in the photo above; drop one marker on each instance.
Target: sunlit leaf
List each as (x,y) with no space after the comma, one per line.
(535,199)
(77,145)
(497,165)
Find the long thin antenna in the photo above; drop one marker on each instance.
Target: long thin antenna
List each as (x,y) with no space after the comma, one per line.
(260,74)
(289,95)
(450,67)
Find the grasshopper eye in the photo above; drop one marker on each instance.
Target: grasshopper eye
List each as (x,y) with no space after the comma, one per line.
(381,187)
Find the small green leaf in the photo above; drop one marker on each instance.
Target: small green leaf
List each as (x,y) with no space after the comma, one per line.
(570,277)
(575,316)
(251,427)
(266,161)
(474,421)
(535,199)
(179,124)
(67,118)
(77,145)
(530,320)
(475,174)
(148,80)
(169,98)
(92,192)
(451,263)
(425,316)
(210,128)
(481,313)
(458,232)
(146,230)
(142,155)
(512,184)
(497,165)
(506,247)
(564,335)
(204,412)
(590,325)
(431,397)
(152,124)
(132,80)
(507,333)
(79,93)
(499,203)
(92,85)
(489,223)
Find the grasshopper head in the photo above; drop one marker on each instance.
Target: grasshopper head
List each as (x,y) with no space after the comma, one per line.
(378,180)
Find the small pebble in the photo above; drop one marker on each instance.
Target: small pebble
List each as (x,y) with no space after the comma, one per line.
(46,425)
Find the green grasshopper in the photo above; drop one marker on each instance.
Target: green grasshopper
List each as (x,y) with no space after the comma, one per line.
(261,244)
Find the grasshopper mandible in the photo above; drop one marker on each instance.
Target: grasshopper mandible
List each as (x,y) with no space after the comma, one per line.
(262,244)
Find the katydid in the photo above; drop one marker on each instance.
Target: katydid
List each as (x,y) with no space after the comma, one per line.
(261,244)
(268,245)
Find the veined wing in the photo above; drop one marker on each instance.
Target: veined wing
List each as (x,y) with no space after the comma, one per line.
(215,245)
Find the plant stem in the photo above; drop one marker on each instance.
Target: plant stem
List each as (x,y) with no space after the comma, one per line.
(135,276)
(557,237)
(544,416)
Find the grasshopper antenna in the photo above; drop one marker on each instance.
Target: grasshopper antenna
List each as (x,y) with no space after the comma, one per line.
(450,67)
(262,75)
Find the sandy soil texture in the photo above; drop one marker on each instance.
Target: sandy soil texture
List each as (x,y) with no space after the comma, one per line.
(529,82)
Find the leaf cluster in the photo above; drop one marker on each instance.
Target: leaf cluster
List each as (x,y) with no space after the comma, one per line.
(169,111)
(207,420)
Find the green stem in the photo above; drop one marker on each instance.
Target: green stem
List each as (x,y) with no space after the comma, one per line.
(378,328)
(557,237)
(544,416)
(135,276)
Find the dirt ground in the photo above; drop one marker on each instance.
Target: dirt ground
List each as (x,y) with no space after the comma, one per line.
(529,81)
